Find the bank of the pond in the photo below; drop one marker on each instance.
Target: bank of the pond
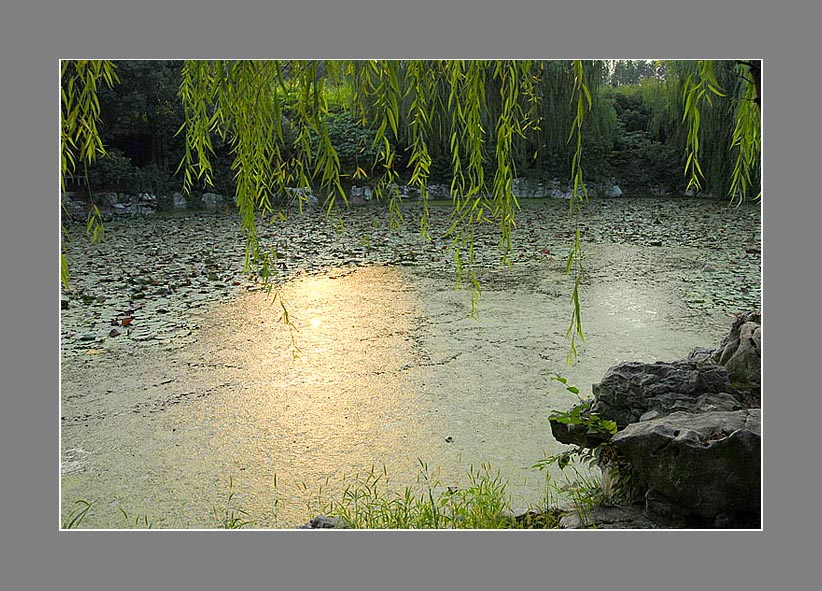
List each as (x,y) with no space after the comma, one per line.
(177,375)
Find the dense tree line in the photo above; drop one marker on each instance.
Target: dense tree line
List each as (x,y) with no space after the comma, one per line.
(633,131)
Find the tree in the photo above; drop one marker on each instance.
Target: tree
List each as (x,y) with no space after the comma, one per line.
(632,71)
(140,112)
(486,112)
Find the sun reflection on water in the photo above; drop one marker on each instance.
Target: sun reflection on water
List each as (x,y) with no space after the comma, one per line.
(347,402)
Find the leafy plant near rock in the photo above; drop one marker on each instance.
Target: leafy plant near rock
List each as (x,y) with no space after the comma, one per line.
(597,452)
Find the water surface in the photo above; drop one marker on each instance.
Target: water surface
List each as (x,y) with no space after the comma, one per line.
(385,368)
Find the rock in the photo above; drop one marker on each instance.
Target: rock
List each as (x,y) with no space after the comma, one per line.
(756,337)
(613,191)
(64,302)
(630,390)
(108,199)
(89,336)
(74,210)
(301,197)
(210,200)
(701,354)
(525,187)
(409,193)
(664,509)
(557,193)
(436,191)
(323,522)
(651,414)
(719,401)
(359,195)
(356,200)
(608,517)
(696,468)
(740,352)
(179,201)
(131,205)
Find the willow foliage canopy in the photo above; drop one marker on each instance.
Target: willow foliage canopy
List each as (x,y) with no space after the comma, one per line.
(480,110)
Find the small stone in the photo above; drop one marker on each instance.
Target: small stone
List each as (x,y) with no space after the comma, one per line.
(607,517)
(323,522)
(89,336)
(449,439)
(114,333)
(651,414)
(64,302)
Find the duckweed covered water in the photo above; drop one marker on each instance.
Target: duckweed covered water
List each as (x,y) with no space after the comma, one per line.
(205,383)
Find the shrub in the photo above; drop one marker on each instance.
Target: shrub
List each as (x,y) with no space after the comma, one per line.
(354,143)
(113,171)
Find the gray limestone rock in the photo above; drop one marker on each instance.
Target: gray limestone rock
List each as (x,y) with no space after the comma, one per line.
(608,517)
(704,466)
(210,200)
(630,390)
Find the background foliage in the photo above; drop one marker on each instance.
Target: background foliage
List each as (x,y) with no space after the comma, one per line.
(633,131)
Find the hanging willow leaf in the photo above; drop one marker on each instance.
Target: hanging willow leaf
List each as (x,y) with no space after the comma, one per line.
(79,135)
(746,139)
(700,85)
(578,195)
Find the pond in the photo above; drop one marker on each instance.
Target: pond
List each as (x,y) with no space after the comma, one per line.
(181,384)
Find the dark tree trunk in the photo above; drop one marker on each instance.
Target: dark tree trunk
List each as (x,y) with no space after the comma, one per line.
(755,68)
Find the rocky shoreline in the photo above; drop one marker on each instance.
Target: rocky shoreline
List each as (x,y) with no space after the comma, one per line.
(689,435)
(114,204)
